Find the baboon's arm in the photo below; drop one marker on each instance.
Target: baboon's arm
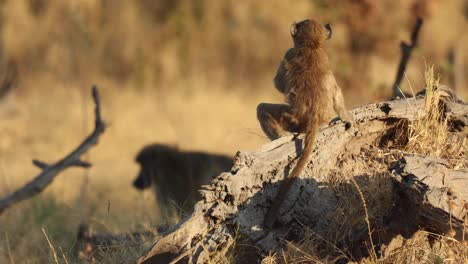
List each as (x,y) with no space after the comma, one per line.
(280,79)
(338,100)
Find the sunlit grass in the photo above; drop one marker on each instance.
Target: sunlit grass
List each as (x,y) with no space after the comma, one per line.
(430,133)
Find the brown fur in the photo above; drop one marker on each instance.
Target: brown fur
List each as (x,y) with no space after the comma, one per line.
(177,175)
(312,94)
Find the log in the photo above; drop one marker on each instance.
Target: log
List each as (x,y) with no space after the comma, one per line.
(436,195)
(322,199)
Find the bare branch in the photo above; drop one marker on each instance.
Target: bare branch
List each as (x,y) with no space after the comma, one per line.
(40,164)
(50,171)
(82,163)
(76,163)
(406,50)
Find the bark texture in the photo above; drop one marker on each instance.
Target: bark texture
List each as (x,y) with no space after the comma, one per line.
(401,190)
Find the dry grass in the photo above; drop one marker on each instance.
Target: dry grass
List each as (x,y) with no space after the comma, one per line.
(431,134)
(154,44)
(372,253)
(270,259)
(308,250)
(423,247)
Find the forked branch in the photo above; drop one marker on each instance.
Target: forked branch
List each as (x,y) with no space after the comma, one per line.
(50,171)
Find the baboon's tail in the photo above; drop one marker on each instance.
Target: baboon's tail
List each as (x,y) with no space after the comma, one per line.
(309,141)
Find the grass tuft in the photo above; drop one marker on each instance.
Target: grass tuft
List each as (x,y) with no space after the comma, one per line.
(430,133)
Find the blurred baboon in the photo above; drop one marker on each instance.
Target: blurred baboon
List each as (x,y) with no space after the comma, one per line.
(177,176)
(8,82)
(312,93)
(9,77)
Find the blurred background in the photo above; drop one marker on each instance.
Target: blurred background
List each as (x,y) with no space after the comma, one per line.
(181,72)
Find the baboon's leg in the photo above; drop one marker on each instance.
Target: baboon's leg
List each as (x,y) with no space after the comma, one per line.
(277,120)
(167,207)
(340,109)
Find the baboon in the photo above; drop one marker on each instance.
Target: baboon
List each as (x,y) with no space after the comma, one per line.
(9,78)
(312,94)
(177,175)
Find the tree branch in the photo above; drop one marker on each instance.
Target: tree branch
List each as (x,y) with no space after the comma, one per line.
(50,171)
(406,50)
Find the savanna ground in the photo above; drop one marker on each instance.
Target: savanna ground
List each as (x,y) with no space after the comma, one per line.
(180,72)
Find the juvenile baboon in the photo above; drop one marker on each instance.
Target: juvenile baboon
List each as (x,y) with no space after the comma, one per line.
(177,175)
(312,94)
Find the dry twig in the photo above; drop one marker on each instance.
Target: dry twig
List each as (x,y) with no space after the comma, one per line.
(50,171)
(406,50)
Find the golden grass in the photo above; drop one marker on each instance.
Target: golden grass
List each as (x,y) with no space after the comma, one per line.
(308,250)
(150,44)
(270,259)
(430,134)
(372,253)
(52,248)
(418,249)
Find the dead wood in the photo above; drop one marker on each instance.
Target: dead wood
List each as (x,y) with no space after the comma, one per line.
(322,199)
(406,50)
(50,171)
(434,194)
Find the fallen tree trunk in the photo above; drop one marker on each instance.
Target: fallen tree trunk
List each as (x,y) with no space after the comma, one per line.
(435,196)
(322,200)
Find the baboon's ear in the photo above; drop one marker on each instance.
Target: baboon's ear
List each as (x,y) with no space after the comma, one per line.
(293,28)
(329,30)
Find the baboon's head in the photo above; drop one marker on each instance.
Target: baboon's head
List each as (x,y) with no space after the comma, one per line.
(151,159)
(310,33)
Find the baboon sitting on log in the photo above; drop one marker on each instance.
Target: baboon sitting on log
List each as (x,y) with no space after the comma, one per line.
(177,175)
(305,78)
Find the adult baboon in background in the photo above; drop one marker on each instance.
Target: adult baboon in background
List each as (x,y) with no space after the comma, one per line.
(177,175)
